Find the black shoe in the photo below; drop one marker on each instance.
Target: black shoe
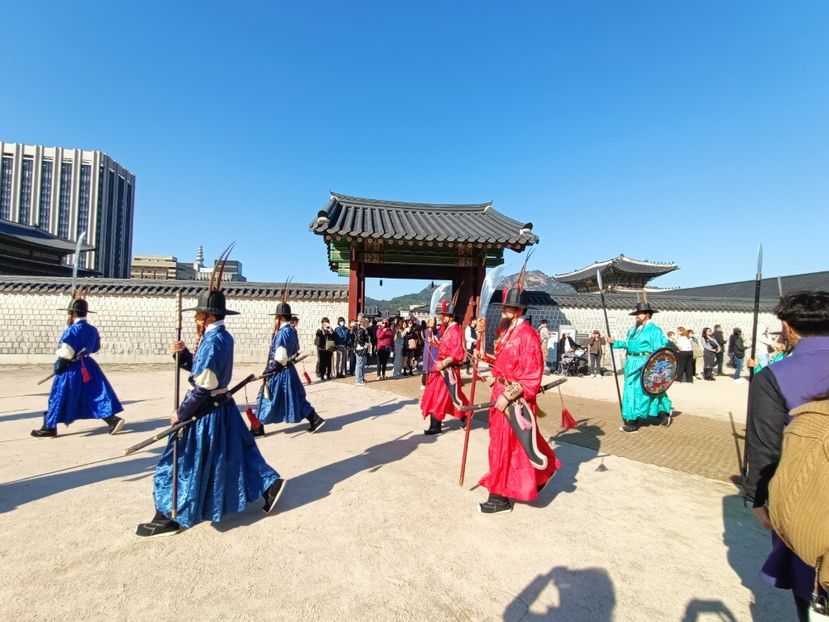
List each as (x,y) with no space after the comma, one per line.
(316,422)
(463,422)
(157,528)
(494,506)
(45,433)
(435,426)
(629,428)
(116,424)
(665,419)
(257,432)
(272,495)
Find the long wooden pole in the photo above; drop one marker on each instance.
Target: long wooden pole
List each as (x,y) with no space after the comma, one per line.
(176,403)
(478,348)
(612,356)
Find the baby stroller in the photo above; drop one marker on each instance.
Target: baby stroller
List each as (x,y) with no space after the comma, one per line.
(575,363)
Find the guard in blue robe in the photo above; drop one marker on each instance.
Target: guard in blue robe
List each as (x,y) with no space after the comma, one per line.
(282,398)
(643,339)
(220,469)
(80,390)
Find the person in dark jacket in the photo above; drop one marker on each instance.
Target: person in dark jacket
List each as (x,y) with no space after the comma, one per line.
(718,336)
(774,391)
(737,351)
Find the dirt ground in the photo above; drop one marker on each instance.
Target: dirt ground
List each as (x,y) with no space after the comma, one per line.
(373,523)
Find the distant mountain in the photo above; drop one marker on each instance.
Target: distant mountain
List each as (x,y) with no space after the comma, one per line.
(535,281)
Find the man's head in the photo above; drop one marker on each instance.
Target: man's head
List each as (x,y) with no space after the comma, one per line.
(718,327)
(804,314)
(365,322)
(543,323)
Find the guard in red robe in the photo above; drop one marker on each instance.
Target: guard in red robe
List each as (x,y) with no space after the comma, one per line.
(517,368)
(437,401)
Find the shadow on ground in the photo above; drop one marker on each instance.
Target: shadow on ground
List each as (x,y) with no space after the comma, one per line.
(584,595)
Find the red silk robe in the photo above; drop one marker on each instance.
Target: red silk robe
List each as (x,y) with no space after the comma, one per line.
(436,399)
(517,358)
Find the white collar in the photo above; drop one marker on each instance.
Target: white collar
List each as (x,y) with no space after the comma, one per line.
(79,319)
(215,325)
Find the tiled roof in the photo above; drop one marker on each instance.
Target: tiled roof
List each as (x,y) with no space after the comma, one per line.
(618,264)
(38,237)
(768,287)
(372,218)
(660,301)
(138,287)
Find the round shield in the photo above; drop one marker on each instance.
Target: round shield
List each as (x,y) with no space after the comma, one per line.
(659,371)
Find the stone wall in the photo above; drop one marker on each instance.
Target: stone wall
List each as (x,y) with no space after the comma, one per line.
(138,328)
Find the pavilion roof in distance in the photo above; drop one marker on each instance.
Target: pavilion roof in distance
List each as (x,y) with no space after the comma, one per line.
(618,273)
(361,219)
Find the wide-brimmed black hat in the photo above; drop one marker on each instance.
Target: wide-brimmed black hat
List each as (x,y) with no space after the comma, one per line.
(282,309)
(78,305)
(212,302)
(643,307)
(515,298)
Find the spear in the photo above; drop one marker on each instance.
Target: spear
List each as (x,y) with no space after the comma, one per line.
(490,282)
(607,328)
(757,283)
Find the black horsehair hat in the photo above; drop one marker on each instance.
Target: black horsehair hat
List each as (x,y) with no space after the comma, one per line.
(515,296)
(643,307)
(212,300)
(78,303)
(283,309)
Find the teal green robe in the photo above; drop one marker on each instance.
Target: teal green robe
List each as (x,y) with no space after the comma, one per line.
(641,342)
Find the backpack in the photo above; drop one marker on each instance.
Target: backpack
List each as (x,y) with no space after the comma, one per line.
(798,493)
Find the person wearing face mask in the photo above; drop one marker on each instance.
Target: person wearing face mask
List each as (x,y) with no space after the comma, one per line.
(325,349)
(341,339)
(643,339)
(385,340)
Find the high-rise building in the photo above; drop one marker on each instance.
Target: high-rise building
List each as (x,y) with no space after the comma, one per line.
(69,192)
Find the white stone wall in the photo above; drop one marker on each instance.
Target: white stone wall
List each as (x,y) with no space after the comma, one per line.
(587,320)
(138,329)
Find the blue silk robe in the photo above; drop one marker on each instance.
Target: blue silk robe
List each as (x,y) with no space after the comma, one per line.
(220,469)
(71,398)
(286,401)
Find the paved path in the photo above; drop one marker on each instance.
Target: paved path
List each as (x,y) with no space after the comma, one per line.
(373,525)
(706,437)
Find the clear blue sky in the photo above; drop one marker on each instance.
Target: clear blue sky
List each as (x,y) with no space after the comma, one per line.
(671,131)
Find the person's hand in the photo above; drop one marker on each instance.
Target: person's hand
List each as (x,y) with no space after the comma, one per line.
(762,515)
(610,340)
(176,346)
(751,363)
(501,403)
(174,418)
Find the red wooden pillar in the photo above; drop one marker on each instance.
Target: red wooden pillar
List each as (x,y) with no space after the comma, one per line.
(354,282)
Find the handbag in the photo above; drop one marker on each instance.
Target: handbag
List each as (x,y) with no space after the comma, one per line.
(697,350)
(330,345)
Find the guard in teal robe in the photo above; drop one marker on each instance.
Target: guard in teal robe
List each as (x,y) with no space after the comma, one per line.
(643,339)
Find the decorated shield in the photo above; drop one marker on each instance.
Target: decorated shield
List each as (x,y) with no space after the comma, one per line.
(659,371)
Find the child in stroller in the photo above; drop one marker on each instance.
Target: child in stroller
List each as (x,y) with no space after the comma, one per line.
(574,363)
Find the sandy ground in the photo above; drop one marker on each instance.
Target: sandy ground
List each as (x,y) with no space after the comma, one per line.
(372,525)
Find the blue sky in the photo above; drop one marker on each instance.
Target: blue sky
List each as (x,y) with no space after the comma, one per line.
(671,131)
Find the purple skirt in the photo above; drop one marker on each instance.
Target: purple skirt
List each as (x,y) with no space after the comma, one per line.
(785,570)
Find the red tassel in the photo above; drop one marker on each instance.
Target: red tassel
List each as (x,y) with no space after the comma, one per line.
(567,421)
(84,373)
(307,377)
(254,422)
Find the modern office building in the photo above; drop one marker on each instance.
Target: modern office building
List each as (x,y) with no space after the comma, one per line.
(69,192)
(161,268)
